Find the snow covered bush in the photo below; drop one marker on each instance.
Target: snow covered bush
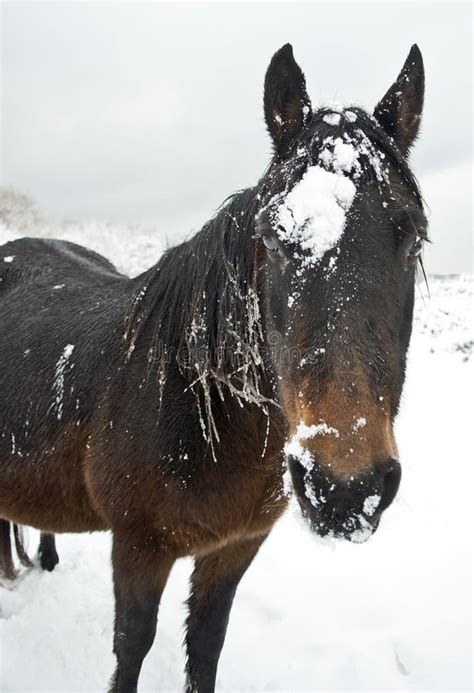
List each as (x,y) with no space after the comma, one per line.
(17,210)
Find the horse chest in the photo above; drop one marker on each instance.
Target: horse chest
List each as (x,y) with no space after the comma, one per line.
(195,508)
(219,514)
(246,502)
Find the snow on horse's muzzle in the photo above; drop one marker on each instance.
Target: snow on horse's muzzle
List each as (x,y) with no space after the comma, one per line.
(349,508)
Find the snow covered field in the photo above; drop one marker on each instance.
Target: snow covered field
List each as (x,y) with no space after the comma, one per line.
(393,614)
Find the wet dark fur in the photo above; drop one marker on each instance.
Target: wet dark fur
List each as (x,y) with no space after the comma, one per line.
(152,427)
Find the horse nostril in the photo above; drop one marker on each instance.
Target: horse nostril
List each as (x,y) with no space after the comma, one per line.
(391,482)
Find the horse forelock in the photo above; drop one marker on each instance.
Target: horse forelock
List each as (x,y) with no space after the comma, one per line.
(375,153)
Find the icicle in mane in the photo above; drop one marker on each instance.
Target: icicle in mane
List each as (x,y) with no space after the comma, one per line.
(202,303)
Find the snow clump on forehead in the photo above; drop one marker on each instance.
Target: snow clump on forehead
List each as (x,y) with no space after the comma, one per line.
(313,214)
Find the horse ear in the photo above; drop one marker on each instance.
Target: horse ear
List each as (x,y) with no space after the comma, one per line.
(286,103)
(399,112)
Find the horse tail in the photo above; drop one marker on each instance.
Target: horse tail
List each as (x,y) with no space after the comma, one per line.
(7,566)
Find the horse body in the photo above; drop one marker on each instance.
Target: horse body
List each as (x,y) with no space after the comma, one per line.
(55,291)
(103,466)
(158,407)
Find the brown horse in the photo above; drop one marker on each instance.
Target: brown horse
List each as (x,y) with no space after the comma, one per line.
(161,407)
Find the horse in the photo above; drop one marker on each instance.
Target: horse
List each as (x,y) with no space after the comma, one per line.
(263,356)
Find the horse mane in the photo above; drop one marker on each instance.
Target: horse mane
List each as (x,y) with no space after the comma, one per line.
(200,305)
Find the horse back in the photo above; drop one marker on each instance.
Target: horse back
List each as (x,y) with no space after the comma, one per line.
(37,259)
(61,324)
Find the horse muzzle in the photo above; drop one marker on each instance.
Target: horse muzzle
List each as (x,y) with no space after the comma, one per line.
(348,508)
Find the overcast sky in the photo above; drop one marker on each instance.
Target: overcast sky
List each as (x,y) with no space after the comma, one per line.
(131,112)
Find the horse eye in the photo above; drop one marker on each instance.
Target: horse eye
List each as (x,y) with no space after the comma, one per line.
(416,248)
(271,244)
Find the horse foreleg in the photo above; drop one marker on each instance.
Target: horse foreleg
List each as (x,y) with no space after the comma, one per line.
(48,556)
(141,567)
(213,585)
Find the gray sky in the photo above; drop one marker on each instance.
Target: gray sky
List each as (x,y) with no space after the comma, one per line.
(152,112)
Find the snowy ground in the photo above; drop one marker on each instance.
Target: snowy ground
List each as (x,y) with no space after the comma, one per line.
(390,615)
